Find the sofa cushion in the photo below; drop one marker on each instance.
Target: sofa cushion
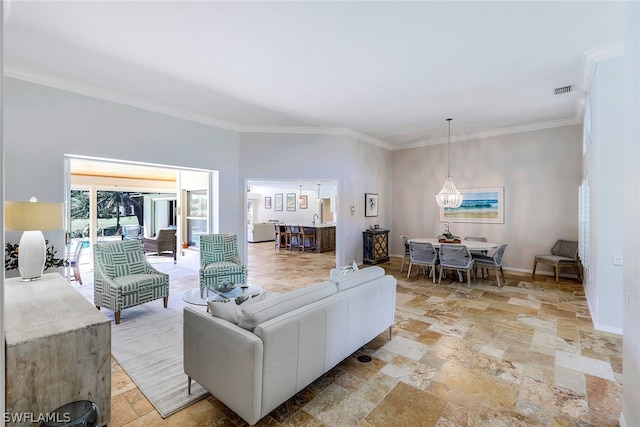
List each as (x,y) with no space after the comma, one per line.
(231,309)
(347,281)
(279,304)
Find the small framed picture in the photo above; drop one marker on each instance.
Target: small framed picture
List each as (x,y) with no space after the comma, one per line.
(278,202)
(267,202)
(370,204)
(291,201)
(304,202)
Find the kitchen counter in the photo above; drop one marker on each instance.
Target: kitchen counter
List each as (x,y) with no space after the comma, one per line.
(325,236)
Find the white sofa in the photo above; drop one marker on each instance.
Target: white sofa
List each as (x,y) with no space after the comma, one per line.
(261,232)
(285,342)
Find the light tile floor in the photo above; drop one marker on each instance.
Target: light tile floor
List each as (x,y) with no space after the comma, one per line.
(522,355)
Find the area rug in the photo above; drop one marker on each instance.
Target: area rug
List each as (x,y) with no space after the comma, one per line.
(148,346)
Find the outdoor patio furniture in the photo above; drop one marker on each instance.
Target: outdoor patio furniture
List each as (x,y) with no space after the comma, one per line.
(165,241)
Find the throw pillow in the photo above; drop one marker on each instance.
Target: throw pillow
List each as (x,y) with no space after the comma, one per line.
(349,268)
(231,309)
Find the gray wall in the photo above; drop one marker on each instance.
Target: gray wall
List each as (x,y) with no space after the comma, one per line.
(43,124)
(358,168)
(540,172)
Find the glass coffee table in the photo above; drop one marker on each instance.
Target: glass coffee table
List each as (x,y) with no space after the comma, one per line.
(192,296)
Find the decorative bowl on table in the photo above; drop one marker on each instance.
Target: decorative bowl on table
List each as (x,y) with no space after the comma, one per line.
(224,287)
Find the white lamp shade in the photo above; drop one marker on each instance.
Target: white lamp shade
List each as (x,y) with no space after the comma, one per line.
(22,216)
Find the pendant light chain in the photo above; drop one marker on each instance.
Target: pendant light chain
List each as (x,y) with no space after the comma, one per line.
(449,196)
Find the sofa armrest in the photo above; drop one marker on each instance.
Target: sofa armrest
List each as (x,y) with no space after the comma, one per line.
(226,360)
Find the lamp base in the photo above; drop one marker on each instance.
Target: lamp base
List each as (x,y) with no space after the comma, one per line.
(32,253)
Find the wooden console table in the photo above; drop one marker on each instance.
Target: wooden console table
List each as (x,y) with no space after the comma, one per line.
(58,348)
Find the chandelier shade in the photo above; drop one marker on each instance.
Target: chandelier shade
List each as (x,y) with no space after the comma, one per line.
(449,196)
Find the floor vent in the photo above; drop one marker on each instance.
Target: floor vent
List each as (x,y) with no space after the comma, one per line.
(364,358)
(561,90)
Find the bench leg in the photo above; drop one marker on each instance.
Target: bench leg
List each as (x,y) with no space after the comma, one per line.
(556,270)
(166,301)
(117,313)
(533,276)
(188,385)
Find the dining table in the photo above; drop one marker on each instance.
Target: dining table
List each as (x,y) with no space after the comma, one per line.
(471,244)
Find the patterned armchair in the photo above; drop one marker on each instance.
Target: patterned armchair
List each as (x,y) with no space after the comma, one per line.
(123,278)
(165,241)
(219,261)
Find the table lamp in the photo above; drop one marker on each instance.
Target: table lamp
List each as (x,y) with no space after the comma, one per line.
(32,217)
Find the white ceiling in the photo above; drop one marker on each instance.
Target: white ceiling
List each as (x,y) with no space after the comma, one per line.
(389,72)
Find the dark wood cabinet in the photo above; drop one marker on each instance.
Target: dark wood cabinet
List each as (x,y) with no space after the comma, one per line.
(376,246)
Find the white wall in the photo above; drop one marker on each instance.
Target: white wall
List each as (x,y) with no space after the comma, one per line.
(357,167)
(603,164)
(42,124)
(539,170)
(299,216)
(631,340)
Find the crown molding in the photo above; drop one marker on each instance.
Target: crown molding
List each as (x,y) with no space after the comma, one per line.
(493,133)
(318,131)
(94,92)
(591,58)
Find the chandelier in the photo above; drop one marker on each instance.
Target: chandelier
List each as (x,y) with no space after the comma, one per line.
(449,196)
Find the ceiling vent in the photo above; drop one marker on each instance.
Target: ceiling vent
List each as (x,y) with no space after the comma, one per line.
(561,90)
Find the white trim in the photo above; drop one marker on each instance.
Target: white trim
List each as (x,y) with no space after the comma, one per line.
(87,90)
(492,133)
(591,57)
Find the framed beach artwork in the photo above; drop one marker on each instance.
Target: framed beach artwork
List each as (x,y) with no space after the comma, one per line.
(485,205)
(278,202)
(370,204)
(267,202)
(304,202)
(291,201)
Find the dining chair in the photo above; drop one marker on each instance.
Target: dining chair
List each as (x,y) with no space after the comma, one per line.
(425,255)
(74,262)
(474,253)
(492,261)
(458,258)
(405,242)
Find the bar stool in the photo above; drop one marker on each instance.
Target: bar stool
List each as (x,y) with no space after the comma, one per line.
(307,234)
(292,236)
(281,236)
